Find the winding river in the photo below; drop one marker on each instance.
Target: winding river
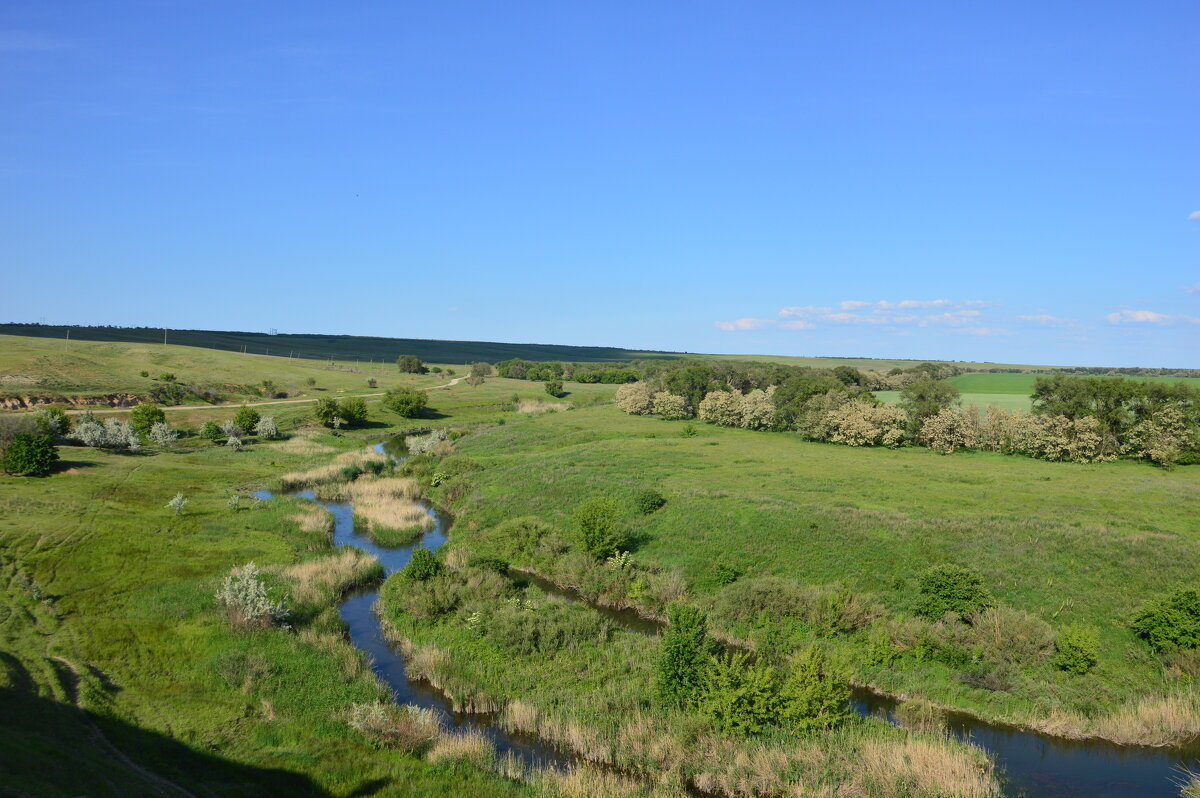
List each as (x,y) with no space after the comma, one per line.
(1030,764)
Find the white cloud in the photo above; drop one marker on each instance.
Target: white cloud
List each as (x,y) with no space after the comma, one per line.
(984,331)
(744,324)
(1046,320)
(1194,216)
(797,324)
(853,304)
(1149,317)
(807,310)
(1192,289)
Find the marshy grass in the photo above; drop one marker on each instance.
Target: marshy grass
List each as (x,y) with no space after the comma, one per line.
(312,518)
(1156,721)
(387,508)
(322,579)
(463,746)
(920,767)
(358,460)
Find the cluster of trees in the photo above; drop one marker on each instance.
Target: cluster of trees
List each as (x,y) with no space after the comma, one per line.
(518,369)
(1073,418)
(26,449)
(411,364)
(742,695)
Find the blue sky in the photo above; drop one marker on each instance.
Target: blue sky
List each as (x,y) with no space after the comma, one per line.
(1017,182)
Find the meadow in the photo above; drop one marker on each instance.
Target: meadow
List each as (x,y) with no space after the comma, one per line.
(1064,543)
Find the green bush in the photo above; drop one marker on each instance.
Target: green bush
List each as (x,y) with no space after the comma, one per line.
(353,411)
(596,518)
(144,373)
(145,416)
(247,418)
(952,588)
(544,628)
(410,364)
(488,564)
(1172,620)
(649,501)
(423,565)
(1077,649)
(210,431)
(326,409)
(30,454)
(169,393)
(554,388)
(739,696)
(726,574)
(684,656)
(405,402)
(516,538)
(812,697)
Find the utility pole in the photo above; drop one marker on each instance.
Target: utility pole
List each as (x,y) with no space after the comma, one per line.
(164,336)
(68,341)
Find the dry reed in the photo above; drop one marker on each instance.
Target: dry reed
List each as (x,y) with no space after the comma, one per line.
(388,503)
(321,579)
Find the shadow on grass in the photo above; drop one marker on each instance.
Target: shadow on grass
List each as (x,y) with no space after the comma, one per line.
(52,748)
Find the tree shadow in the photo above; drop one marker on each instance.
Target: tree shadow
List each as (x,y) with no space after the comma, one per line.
(50,747)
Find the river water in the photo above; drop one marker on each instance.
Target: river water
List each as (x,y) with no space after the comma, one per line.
(1030,764)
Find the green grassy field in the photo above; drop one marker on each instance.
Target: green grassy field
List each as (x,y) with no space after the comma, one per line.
(1022,384)
(107,604)
(1006,401)
(1066,543)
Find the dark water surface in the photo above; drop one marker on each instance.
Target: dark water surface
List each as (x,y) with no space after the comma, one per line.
(1031,764)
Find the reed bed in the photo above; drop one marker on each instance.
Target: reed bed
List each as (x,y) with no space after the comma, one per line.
(332,472)
(1156,721)
(324,578)
(388,505)
(534,406)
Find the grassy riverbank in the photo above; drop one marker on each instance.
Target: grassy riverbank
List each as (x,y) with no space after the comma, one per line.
(119,677)
(1063,543)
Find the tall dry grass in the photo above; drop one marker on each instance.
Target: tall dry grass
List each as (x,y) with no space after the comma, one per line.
(538,406)
(920,767)
(322,579)
(331,472)
(463,746)
(388,503)
(1153,721)
(312,518)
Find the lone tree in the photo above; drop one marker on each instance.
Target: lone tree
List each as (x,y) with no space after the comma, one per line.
(145,416)
(405,402)
(684,656)
(410,364)
(925,398)
(554,388)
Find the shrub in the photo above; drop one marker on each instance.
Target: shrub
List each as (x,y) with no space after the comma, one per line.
(951,429)
(405,402)
(246,417)
(684,656)
(554,387)
(726,574)
(634,398)
(723,408)
(812,697)
(1006,634)
(52,421)
(353,411)
(210,431)
(860,423)
(243,595)
(169,393)
(410,364)
(517,537)
(423,565)
(177,503)
(670,406)
(596,518)
(408,728)
(739,696)
(648,501)
(162,435)
(757,409)
(235,443)
(1077,649)
(372,382)
(952,588)
(266,428)
(423,444)
(112,434)
(167,376)
(524,627)
(1172,620)
(144,373)
(13,425)
(145,416)
(481,370)
(325,409)
(310,381)
(231,430)
(30,454)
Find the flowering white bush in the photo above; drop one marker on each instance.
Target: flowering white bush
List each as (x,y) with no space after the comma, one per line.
(162,435)
(670,406)
(634,398)
(267,428)
(243,594)
(112,434)
(859,423)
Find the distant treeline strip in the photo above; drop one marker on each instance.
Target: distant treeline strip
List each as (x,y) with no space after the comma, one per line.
(338,347)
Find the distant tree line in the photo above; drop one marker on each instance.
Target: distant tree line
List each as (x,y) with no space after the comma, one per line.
(1082,419)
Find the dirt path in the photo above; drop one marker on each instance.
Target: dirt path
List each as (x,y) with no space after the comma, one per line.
(454,381)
